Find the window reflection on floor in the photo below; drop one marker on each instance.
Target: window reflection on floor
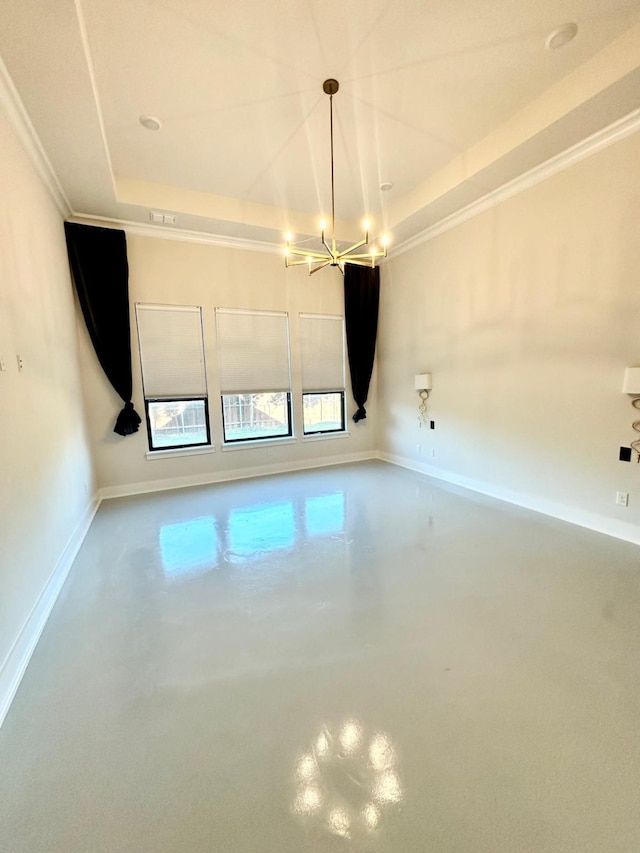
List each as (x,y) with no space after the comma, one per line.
(255,530)
(189,546)
(324,514)
(248,532)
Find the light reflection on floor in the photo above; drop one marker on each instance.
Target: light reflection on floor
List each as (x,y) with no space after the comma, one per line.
(189,547)
(347,781)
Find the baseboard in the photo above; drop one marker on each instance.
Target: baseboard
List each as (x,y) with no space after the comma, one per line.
(226,476)
(573,515)
(15,664)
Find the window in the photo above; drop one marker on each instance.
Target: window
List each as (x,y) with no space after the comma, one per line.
(322,353)
(323,412)
(253,358)
(173,376)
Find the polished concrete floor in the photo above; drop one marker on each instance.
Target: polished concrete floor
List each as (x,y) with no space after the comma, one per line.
(354,658)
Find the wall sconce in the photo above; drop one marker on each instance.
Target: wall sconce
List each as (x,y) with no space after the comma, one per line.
(422,384)
(631,385)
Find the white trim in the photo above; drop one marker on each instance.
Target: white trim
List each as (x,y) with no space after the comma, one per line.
(162,306)
(253,312)
(244,443)
(323,436)
(593,144)
(180,451)
(225,476)
(573,515)
(142,229)
(15,664)
(307,316)
(19,120)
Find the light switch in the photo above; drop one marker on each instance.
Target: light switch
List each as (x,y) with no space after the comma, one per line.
(3,365)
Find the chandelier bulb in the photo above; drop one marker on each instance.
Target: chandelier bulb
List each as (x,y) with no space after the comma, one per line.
(366,225)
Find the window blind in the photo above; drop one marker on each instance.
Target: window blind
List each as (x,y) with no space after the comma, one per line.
(171,351)
(253,351)
(322,352)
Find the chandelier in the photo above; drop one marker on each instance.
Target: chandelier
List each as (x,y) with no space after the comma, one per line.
(332,256)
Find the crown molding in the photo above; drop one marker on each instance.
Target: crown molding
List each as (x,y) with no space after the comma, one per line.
(162,232)
(598,141)
(18,118)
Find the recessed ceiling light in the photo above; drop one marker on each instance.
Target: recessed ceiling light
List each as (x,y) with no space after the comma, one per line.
(563,35)
(150,122)
(385,186)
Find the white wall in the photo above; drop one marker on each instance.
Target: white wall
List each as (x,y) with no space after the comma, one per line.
(46,481)
(527,316)
(181,273)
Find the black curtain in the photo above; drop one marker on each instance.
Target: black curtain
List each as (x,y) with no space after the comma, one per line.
(361,299)
(100,273)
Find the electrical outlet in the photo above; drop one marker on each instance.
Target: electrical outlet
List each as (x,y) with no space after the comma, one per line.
(418,448)
(622,498)
(20,362)
(432,452)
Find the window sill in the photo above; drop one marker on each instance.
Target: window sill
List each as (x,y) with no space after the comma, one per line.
(323,436)
(180,451)
(258,442)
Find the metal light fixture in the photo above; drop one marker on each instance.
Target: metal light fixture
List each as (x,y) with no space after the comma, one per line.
(422,384)
(333,256)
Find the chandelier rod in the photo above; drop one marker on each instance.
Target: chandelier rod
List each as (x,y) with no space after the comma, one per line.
(333,196)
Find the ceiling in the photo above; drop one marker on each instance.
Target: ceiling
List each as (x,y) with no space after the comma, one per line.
(445,100)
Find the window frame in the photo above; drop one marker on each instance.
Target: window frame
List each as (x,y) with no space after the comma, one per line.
(230,441)
(204,400)
(342,428)
(140,308)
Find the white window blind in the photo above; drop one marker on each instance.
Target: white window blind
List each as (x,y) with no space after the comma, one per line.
(171,351)
(253,351)
(322,352)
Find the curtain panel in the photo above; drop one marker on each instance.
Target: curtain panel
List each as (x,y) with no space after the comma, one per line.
(361,301)
(100,274)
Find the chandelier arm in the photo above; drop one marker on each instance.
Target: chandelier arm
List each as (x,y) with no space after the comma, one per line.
(318,268)
(307,254)
(289,263)
(326,245)
(354,247)
(362,256)
(357,263)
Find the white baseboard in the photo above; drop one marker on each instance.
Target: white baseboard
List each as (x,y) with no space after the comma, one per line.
(15,664)
(599,523)
(226,476)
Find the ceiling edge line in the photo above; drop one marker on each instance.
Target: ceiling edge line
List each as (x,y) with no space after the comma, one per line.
(161,232)
(598,141)
(18,118)
(86,48)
